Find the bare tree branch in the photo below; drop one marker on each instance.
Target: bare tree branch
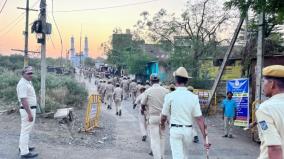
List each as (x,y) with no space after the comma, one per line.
(202,18)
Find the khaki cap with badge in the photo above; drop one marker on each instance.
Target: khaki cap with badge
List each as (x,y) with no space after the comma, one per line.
(181,72)
(274,71)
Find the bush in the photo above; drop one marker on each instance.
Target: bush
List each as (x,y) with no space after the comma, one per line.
(8,83)
(61,91)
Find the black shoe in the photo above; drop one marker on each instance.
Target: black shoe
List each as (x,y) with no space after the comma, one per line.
(195,139)
(119,113)
(29,155)
(231,136)
(116,113)
(225,136)
(151,153)
(144,138)
(30,149)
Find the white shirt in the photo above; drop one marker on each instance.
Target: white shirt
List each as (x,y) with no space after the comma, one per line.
(25,89)
(182,106)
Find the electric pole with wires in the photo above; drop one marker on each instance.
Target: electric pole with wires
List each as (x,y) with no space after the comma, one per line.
(43,54)
(26,32)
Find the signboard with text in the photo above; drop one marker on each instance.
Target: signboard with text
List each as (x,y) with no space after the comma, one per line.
(240,89)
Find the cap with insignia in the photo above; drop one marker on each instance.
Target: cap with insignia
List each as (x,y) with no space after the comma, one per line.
(154,77)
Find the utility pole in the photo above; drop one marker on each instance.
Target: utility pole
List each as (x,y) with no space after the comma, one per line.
(43,54)
(223,65)
(26,33)
(259,56)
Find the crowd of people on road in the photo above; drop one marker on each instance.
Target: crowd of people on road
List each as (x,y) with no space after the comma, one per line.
(175,107)
(149,98)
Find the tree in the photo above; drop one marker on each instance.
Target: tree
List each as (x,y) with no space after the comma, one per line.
(126,52)
(89,62)
(274,16)
(273,9)
(198,26)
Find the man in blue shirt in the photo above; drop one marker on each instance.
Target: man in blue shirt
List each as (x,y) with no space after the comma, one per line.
(229,108)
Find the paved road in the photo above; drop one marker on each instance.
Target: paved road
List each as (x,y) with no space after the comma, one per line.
(125,139)
(127,130)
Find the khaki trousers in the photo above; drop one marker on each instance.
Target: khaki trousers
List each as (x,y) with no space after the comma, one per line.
(157,137)
(125,93)
(117,105)
(109,99)
(133,97)
(26,128)
(142,124)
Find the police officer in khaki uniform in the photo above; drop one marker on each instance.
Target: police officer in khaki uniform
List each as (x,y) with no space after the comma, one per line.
(153,99)
(270,114)
(182,106)
(133,91)
(125,87)
(138,87)
(27,98)
(117,98)
(108,93)
(103,89)
(141,116)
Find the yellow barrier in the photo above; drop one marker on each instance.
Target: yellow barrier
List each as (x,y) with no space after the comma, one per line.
(253,128)
(203,96)
(93,112)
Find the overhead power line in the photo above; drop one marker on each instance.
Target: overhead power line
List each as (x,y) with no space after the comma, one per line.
(3,6)
(10,26)
(59,33)
(103,8)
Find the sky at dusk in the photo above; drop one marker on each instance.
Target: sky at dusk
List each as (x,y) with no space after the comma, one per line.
(97,25)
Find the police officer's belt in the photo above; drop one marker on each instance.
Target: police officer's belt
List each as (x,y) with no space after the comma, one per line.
(32,107)
(176,125)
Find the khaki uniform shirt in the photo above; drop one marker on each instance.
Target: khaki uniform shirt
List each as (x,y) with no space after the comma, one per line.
(125,85)
(147,86)
(270,119)
(25,89)
(117,94)
(109,89)
(154,99)
(182,106)
(132,86)
(138,87)
(103,88)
